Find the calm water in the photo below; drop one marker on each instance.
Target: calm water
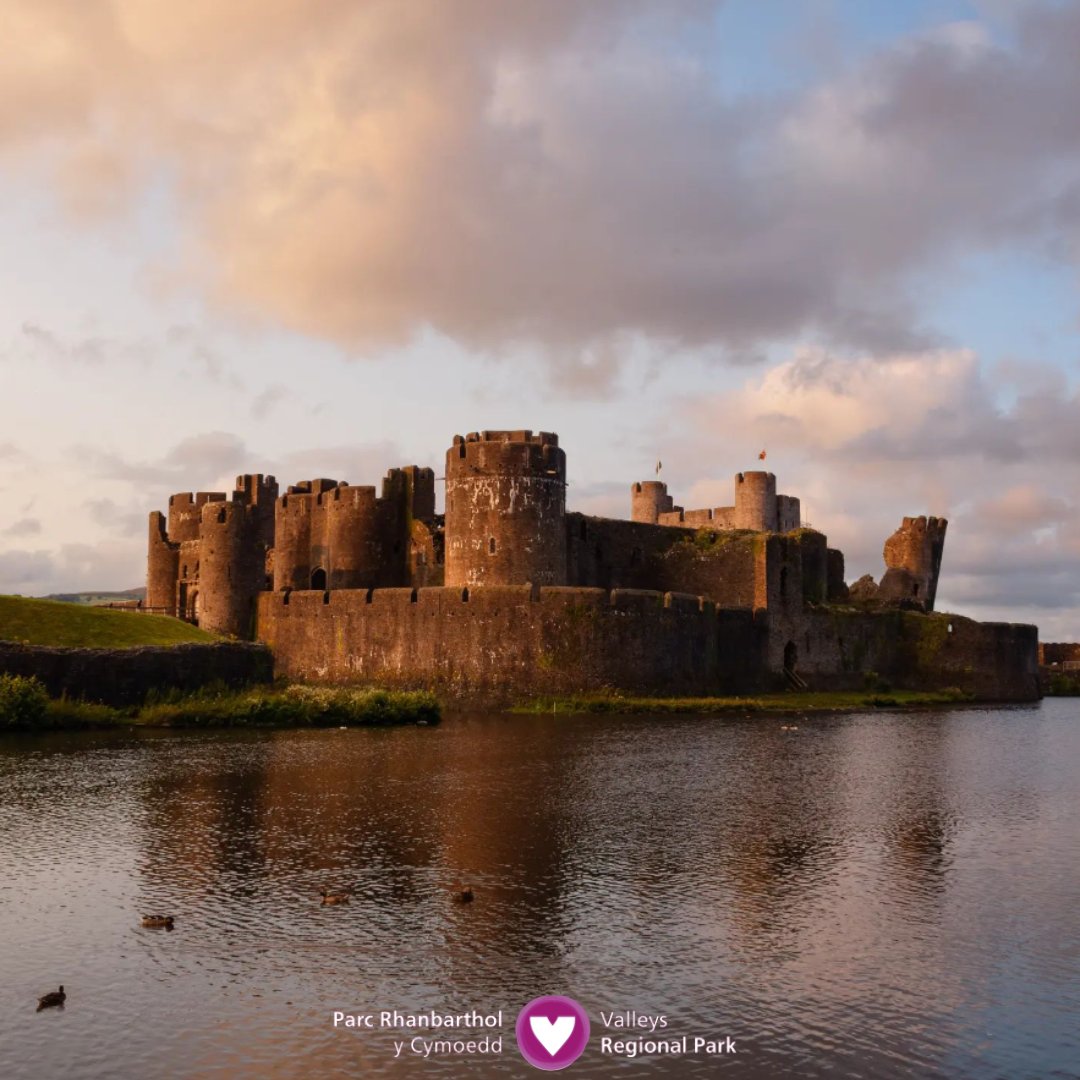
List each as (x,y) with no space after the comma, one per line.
(871,895)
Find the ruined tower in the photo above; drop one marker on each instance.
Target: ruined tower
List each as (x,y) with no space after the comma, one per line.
(913,561)
(648,500)
(505,509)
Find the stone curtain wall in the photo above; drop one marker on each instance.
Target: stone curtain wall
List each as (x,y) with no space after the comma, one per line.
(911,651)
(500,644)
(608,554)
(125,676)
(1059,652)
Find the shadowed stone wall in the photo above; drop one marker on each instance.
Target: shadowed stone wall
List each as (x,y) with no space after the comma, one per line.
(126,676)
(499,644)
(836,650)
(505,643)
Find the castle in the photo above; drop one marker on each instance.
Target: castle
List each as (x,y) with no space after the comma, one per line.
(508,595)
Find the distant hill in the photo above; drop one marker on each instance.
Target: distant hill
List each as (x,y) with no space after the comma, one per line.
(52,622)
(98,597)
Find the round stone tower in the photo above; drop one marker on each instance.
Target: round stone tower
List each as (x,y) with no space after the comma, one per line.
(648,500)
(755,501)
(163,567)
(505,509)
(232,568)
(292,541)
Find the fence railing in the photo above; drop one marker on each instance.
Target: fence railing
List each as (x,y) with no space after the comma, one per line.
(136,606)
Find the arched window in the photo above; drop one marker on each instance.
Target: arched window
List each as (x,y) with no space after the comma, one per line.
(318,579)
(491,546)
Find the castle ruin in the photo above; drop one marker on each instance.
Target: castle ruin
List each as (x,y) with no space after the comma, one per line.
(508,594)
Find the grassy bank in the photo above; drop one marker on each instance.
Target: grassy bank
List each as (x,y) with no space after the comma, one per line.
(810,701)
(1063,686)
(24,706)
(53,622)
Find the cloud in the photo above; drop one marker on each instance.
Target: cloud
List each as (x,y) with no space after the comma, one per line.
(110,515)
(561,175)
(36,344)
(19,568)
(264,403)
(356,463)
(210,455)
(73,568)
(23,527)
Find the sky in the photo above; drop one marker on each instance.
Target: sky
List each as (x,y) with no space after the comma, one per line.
(321,237)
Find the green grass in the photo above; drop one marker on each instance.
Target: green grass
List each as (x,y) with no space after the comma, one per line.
(24,706)
(709,540)
(53,622)
(1064,685)
(810,701)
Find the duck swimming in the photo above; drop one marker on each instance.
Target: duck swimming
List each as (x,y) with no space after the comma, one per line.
(334,898)
(158,922)
(52,999)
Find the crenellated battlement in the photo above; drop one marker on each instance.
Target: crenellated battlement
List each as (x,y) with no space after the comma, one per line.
(540,438)
(486,596)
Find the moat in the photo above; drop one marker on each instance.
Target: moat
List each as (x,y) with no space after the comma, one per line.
(870,895)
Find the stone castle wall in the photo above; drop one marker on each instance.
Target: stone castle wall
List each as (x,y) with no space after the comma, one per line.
(738,569)
(1061,652)
(124,677)
(506,643)
(837,650)
(499,644)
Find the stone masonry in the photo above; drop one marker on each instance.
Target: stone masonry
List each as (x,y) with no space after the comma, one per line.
(509,594)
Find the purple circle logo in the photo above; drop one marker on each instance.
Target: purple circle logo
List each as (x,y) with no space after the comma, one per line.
(552,1032)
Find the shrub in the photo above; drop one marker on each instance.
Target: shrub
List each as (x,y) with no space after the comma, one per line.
(299,705)
(23,702)
(68,714)
(873,681)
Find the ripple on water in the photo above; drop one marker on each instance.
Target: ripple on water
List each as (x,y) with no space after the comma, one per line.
(873,896)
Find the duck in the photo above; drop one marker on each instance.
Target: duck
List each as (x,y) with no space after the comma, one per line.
(52,999)
(463,894)
(334,898)
(158,922)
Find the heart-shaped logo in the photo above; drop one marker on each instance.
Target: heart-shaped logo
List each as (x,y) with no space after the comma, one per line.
(552,1032)
(553,1036)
